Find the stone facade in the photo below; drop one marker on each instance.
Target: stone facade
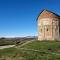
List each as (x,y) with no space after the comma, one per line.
(48,26)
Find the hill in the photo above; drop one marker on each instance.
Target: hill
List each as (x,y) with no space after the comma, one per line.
(32,50)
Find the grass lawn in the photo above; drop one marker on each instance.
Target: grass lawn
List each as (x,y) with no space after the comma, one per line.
(35,50)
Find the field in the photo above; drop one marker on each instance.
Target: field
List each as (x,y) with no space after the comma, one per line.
(32,50)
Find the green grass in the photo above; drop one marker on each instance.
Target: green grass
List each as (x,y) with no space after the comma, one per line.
(43,45)
(36,50)
(6,42)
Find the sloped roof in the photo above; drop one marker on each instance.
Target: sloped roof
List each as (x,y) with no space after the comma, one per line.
(47,14)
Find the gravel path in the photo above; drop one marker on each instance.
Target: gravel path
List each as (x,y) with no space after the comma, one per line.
(8,46)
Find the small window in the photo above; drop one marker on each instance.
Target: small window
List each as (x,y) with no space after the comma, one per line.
(47,29)
(40,30)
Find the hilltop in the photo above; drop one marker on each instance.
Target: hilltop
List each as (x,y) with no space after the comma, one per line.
(32,50)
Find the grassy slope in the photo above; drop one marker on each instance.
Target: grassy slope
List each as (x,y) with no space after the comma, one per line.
(35,50)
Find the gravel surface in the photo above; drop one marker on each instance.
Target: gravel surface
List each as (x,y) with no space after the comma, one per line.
(8,46)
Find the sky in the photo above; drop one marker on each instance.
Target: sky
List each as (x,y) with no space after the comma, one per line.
(18,18)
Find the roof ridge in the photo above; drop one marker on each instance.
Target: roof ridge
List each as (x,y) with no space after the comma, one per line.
(45,10)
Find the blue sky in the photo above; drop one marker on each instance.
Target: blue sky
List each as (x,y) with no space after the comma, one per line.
(18,17)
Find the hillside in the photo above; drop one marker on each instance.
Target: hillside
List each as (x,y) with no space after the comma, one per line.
(32,50)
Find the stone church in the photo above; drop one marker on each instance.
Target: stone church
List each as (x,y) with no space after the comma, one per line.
(48,26)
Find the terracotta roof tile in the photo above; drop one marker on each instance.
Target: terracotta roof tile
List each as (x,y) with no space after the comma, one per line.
(48,14)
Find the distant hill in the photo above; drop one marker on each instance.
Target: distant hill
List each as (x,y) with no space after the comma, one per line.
(19,38)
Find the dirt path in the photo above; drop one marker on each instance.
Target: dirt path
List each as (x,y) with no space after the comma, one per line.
(30,49)
(8,46)
(25,43)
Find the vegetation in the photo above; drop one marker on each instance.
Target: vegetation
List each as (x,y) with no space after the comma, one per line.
(35,50)
(6,42)
(14,41)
